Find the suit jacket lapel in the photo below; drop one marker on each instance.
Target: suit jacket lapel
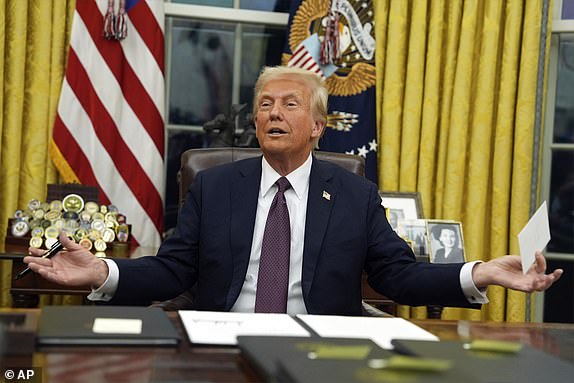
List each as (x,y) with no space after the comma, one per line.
(322,195)
(244,194)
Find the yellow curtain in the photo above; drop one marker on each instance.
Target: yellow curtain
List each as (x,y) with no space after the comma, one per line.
(456,100)
(33,45)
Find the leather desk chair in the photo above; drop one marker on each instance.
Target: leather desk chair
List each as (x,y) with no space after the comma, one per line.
(195,160)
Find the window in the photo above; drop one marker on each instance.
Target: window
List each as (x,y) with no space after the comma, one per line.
(557,303)
(561,147)
(214,52)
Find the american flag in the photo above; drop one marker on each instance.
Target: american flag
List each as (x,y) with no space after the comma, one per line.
(302,59)
(109,128)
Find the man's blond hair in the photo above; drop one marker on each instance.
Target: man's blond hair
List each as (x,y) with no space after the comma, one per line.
(319,93)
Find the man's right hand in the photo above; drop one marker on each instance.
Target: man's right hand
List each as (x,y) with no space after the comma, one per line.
(73,266)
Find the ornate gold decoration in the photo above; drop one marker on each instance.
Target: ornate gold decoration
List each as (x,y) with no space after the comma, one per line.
(353,76)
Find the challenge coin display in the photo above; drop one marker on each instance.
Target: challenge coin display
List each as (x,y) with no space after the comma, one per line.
(93,226)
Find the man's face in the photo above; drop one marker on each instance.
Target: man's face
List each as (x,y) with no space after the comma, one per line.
(284,122)
(447,237)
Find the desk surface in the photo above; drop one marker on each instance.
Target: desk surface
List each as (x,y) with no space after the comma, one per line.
(224,364)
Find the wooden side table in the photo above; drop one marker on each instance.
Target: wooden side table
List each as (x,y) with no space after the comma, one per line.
(25,291)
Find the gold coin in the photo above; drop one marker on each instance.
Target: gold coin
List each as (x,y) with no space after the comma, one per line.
(85,216)
(91,207)
(108,235)
(80,234)
(93,234)
(98,216)
(86,243)
(56,205)
(73,203)
(98,224)
(52,215)
(111,224)
(49,242)
(100,254)
(51,232)
(35,223)
(38,214)
(38,231)
(20,228)
(36,242)
(34,204)
(111,216)
(100,245)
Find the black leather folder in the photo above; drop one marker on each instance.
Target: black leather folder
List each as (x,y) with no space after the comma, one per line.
(293,359)
(361,371)
(74,326)
(266,353)
(523,366)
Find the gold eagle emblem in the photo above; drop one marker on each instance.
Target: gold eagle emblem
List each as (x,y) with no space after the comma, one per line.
(355,73)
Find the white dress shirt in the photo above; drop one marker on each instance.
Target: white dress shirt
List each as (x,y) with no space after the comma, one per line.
(296,198)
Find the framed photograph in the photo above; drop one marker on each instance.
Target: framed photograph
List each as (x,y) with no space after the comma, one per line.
(446,241)
(414,232)
(401,206)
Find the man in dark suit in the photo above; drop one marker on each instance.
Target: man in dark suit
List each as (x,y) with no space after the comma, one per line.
(337,229)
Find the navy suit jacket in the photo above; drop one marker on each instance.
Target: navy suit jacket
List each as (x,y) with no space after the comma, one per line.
(344,235)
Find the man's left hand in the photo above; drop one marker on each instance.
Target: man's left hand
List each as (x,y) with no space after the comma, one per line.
(507,272)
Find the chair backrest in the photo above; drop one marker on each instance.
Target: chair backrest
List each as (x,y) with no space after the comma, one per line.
(196,160)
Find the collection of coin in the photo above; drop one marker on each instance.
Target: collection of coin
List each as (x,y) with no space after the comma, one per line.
(88,223)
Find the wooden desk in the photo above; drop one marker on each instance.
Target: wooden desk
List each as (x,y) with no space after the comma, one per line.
(226,364)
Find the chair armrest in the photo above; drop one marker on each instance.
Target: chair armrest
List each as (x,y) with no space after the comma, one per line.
(183,301)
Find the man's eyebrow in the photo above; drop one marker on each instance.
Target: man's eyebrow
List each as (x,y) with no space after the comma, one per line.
(291,94)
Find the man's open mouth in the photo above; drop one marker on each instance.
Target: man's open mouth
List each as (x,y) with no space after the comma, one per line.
(276,132)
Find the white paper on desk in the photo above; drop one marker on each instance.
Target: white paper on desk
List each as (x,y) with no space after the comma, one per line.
(534,236)
(379,330)
(210,327)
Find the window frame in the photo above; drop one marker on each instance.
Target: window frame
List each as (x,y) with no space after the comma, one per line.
(235,15)
(559,27)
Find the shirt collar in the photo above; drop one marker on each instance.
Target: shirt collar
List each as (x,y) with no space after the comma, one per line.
(298,178)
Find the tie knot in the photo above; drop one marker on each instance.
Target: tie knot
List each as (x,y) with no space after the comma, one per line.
(283,184)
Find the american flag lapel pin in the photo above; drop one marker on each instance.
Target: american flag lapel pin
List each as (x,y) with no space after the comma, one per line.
(326,195)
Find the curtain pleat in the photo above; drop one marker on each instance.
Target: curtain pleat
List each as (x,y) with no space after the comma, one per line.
(524,140)
(33,39)
(456,113)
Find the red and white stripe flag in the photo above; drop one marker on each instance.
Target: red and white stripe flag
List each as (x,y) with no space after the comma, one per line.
(109,130)
(302,58)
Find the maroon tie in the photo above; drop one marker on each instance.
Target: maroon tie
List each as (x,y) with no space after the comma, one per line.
(273,278)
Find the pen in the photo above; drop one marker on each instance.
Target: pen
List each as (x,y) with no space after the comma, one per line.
(57,246)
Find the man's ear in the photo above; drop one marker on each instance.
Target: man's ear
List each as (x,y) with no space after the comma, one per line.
(318,128)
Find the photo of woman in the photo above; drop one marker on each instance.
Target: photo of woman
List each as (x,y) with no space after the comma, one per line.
(446,242)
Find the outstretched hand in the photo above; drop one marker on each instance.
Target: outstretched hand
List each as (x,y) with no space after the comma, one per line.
(73,266)
(507,272)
